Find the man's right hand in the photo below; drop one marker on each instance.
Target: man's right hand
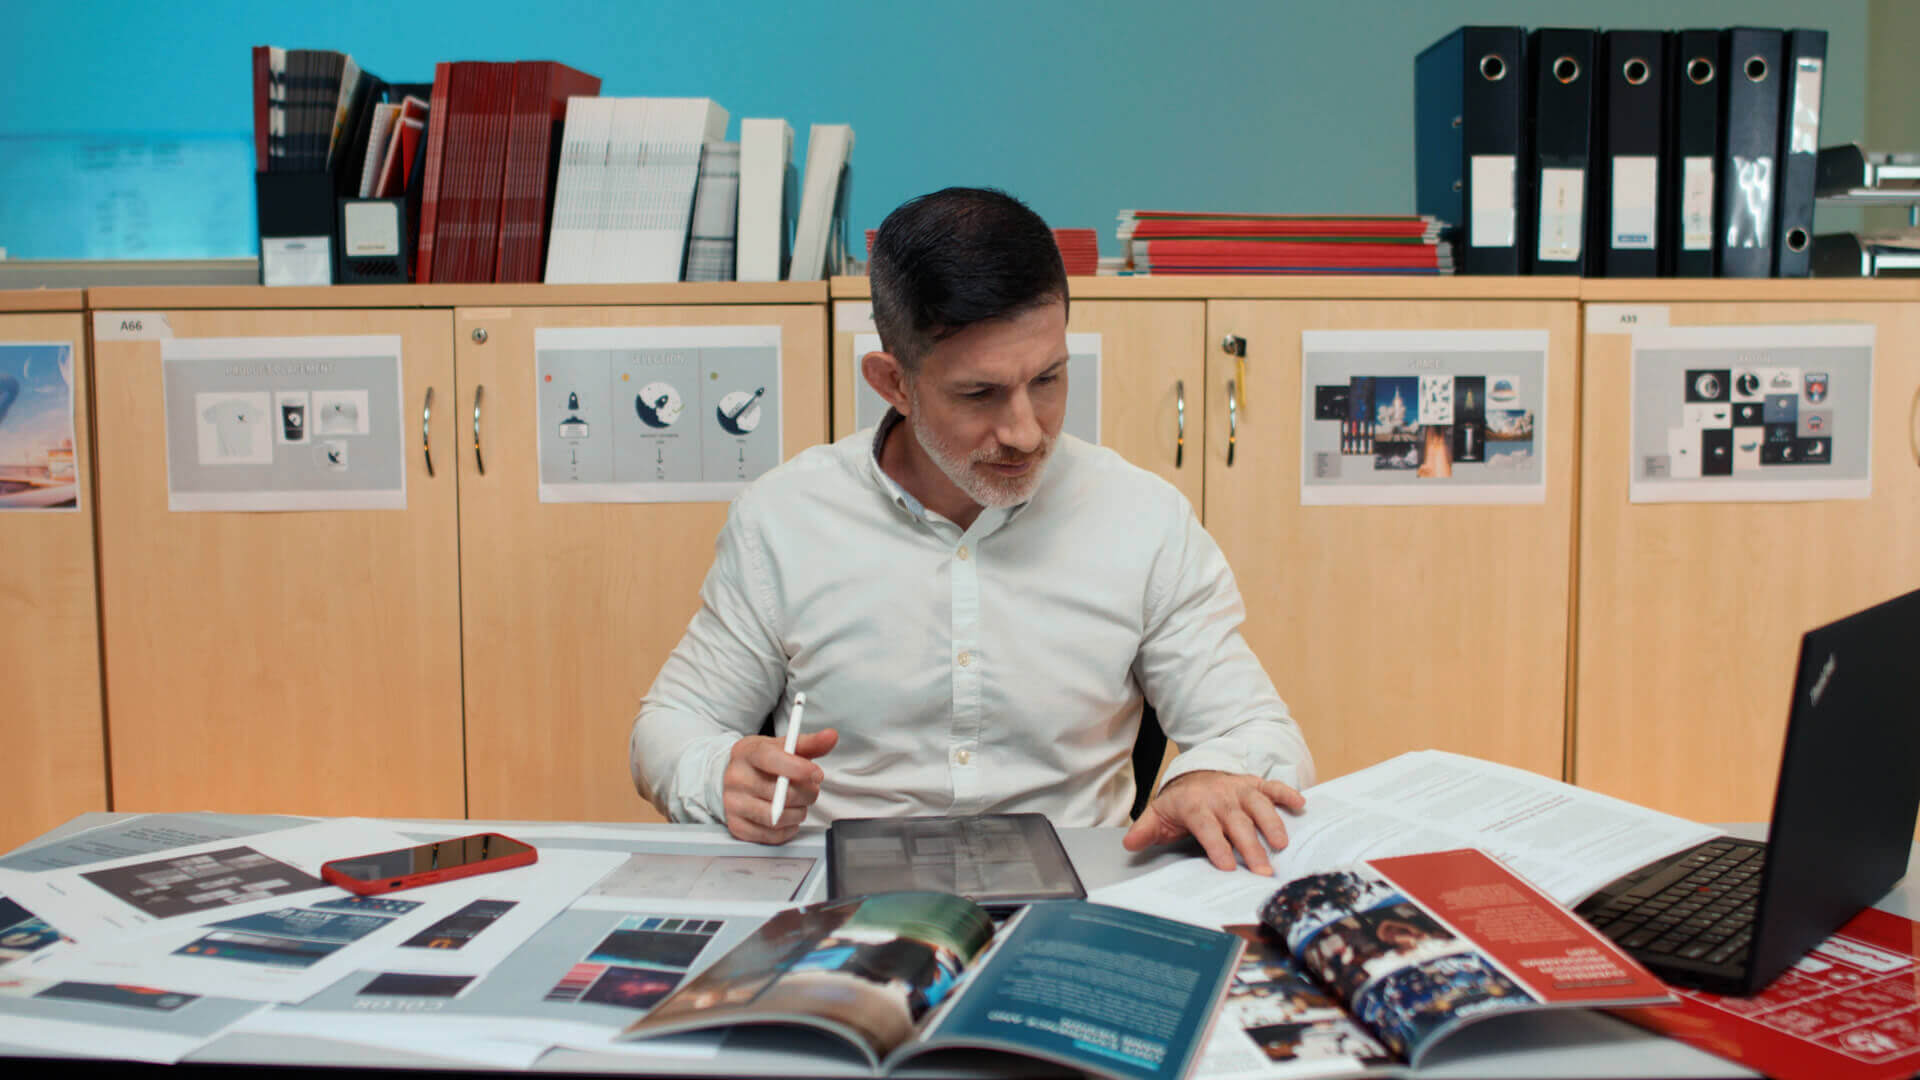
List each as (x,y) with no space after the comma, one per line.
(756,764)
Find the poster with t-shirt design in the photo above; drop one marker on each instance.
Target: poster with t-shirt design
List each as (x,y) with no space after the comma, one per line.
(298,423)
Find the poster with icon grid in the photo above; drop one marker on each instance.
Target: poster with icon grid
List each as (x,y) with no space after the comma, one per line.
(1752,413)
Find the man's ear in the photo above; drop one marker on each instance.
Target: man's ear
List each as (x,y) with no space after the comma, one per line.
(888,379)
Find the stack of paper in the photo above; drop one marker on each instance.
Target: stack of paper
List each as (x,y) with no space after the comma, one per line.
(822,203)
(629,170)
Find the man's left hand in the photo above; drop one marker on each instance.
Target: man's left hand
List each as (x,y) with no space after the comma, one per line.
(1226,812)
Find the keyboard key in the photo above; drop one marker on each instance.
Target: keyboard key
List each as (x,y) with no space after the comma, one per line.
(1695,951)
(1639,938)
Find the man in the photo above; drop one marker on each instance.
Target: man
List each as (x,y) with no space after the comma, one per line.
(973,603)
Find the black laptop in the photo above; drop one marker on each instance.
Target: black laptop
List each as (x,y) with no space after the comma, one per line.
(1729,915)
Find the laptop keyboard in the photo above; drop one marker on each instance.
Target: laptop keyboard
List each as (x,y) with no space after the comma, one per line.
(1701,908)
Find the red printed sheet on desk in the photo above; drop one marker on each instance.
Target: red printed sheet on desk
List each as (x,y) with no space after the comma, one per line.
(1849,1010)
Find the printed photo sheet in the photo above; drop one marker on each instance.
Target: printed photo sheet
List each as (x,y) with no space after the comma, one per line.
(111,1020)
(290,952)
(119,898)
(578,982)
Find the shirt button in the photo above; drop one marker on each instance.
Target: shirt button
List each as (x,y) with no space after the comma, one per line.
(965,659)
(963,553)
(962,757)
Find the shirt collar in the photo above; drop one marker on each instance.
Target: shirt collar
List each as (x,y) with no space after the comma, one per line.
(991,518)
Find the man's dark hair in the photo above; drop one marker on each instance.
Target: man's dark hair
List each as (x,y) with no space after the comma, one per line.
(943,262)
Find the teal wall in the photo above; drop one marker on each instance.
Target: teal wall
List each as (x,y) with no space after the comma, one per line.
(1083,108)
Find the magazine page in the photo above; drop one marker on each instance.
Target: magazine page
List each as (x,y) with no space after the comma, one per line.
(1278,1023)
(1104,990)
(865,968)
(1568,841)
(1419,945)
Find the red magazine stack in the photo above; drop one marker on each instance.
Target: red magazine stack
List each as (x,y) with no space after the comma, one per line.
(488,193)
(1184,242)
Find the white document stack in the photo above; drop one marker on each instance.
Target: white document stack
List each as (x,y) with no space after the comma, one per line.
(829,147)
(766,211)
(710,251)
(625,190)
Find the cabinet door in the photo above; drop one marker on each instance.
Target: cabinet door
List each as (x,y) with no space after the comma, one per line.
(1691,614)
(302,662)
(49,620)
(569,609)
(1387,628)
(1152,360)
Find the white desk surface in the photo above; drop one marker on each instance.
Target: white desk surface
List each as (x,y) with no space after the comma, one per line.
(1568,1044)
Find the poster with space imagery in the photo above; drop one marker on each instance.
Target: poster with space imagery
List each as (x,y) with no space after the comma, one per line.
(656,413)
(1423,417)
(1752,413)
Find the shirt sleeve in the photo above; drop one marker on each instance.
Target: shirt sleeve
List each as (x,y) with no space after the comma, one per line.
(719,683)
(1213,697)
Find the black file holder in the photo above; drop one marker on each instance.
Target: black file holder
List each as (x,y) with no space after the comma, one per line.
(295,213)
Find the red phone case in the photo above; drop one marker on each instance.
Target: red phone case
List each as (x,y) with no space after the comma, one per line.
(427,877)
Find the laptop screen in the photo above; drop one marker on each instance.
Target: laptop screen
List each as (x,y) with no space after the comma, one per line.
(1849,789)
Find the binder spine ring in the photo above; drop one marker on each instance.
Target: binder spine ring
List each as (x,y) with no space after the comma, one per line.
(1566,69)
(1635,71)
(1493,68)
(1756,69)
(1700,71)
(1796,239)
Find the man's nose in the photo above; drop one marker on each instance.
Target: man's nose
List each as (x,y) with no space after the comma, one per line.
(1019,428)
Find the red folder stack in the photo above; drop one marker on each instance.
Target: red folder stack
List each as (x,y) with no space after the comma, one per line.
(488,191)
(1180,242)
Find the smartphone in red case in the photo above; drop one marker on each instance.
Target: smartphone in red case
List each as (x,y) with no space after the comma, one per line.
(425,864)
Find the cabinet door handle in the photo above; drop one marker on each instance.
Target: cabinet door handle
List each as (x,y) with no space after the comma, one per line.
(1180,422)
(1913,426)
(1233,422)
(426,430)
(478,461)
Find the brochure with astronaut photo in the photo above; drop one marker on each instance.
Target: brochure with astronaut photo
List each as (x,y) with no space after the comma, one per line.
(888,977)
(1366,969)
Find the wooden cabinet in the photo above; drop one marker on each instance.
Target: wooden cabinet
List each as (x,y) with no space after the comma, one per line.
(568,610)
(1395,628)
(1690,615)
(306,661)
(50,707)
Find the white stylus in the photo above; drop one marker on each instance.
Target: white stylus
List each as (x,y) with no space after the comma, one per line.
(793,739)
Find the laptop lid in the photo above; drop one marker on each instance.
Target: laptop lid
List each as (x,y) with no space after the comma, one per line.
(1849,789)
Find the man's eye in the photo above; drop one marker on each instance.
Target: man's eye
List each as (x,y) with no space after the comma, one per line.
(977,395)
(1047,379)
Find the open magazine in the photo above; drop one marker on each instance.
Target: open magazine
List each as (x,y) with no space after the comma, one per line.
(898,975)
(1369,967)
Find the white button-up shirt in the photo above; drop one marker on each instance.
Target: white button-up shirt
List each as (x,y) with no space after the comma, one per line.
(997,668)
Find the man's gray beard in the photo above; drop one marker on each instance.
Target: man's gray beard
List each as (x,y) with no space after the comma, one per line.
(979,486)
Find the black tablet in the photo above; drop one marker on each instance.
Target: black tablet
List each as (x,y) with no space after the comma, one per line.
(999,861)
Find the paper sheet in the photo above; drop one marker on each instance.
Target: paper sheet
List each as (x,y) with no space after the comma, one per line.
(293,951)
(1566,840)
(111,1021)
(227,877)
(142,834)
